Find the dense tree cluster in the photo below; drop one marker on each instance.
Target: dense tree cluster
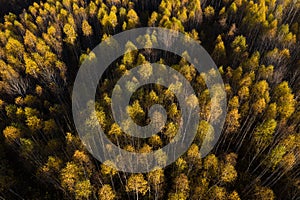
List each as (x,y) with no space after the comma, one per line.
(255,45)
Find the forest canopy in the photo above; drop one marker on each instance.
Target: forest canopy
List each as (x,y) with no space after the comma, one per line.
(256,47)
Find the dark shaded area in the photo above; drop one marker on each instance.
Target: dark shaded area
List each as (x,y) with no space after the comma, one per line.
(14,6)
